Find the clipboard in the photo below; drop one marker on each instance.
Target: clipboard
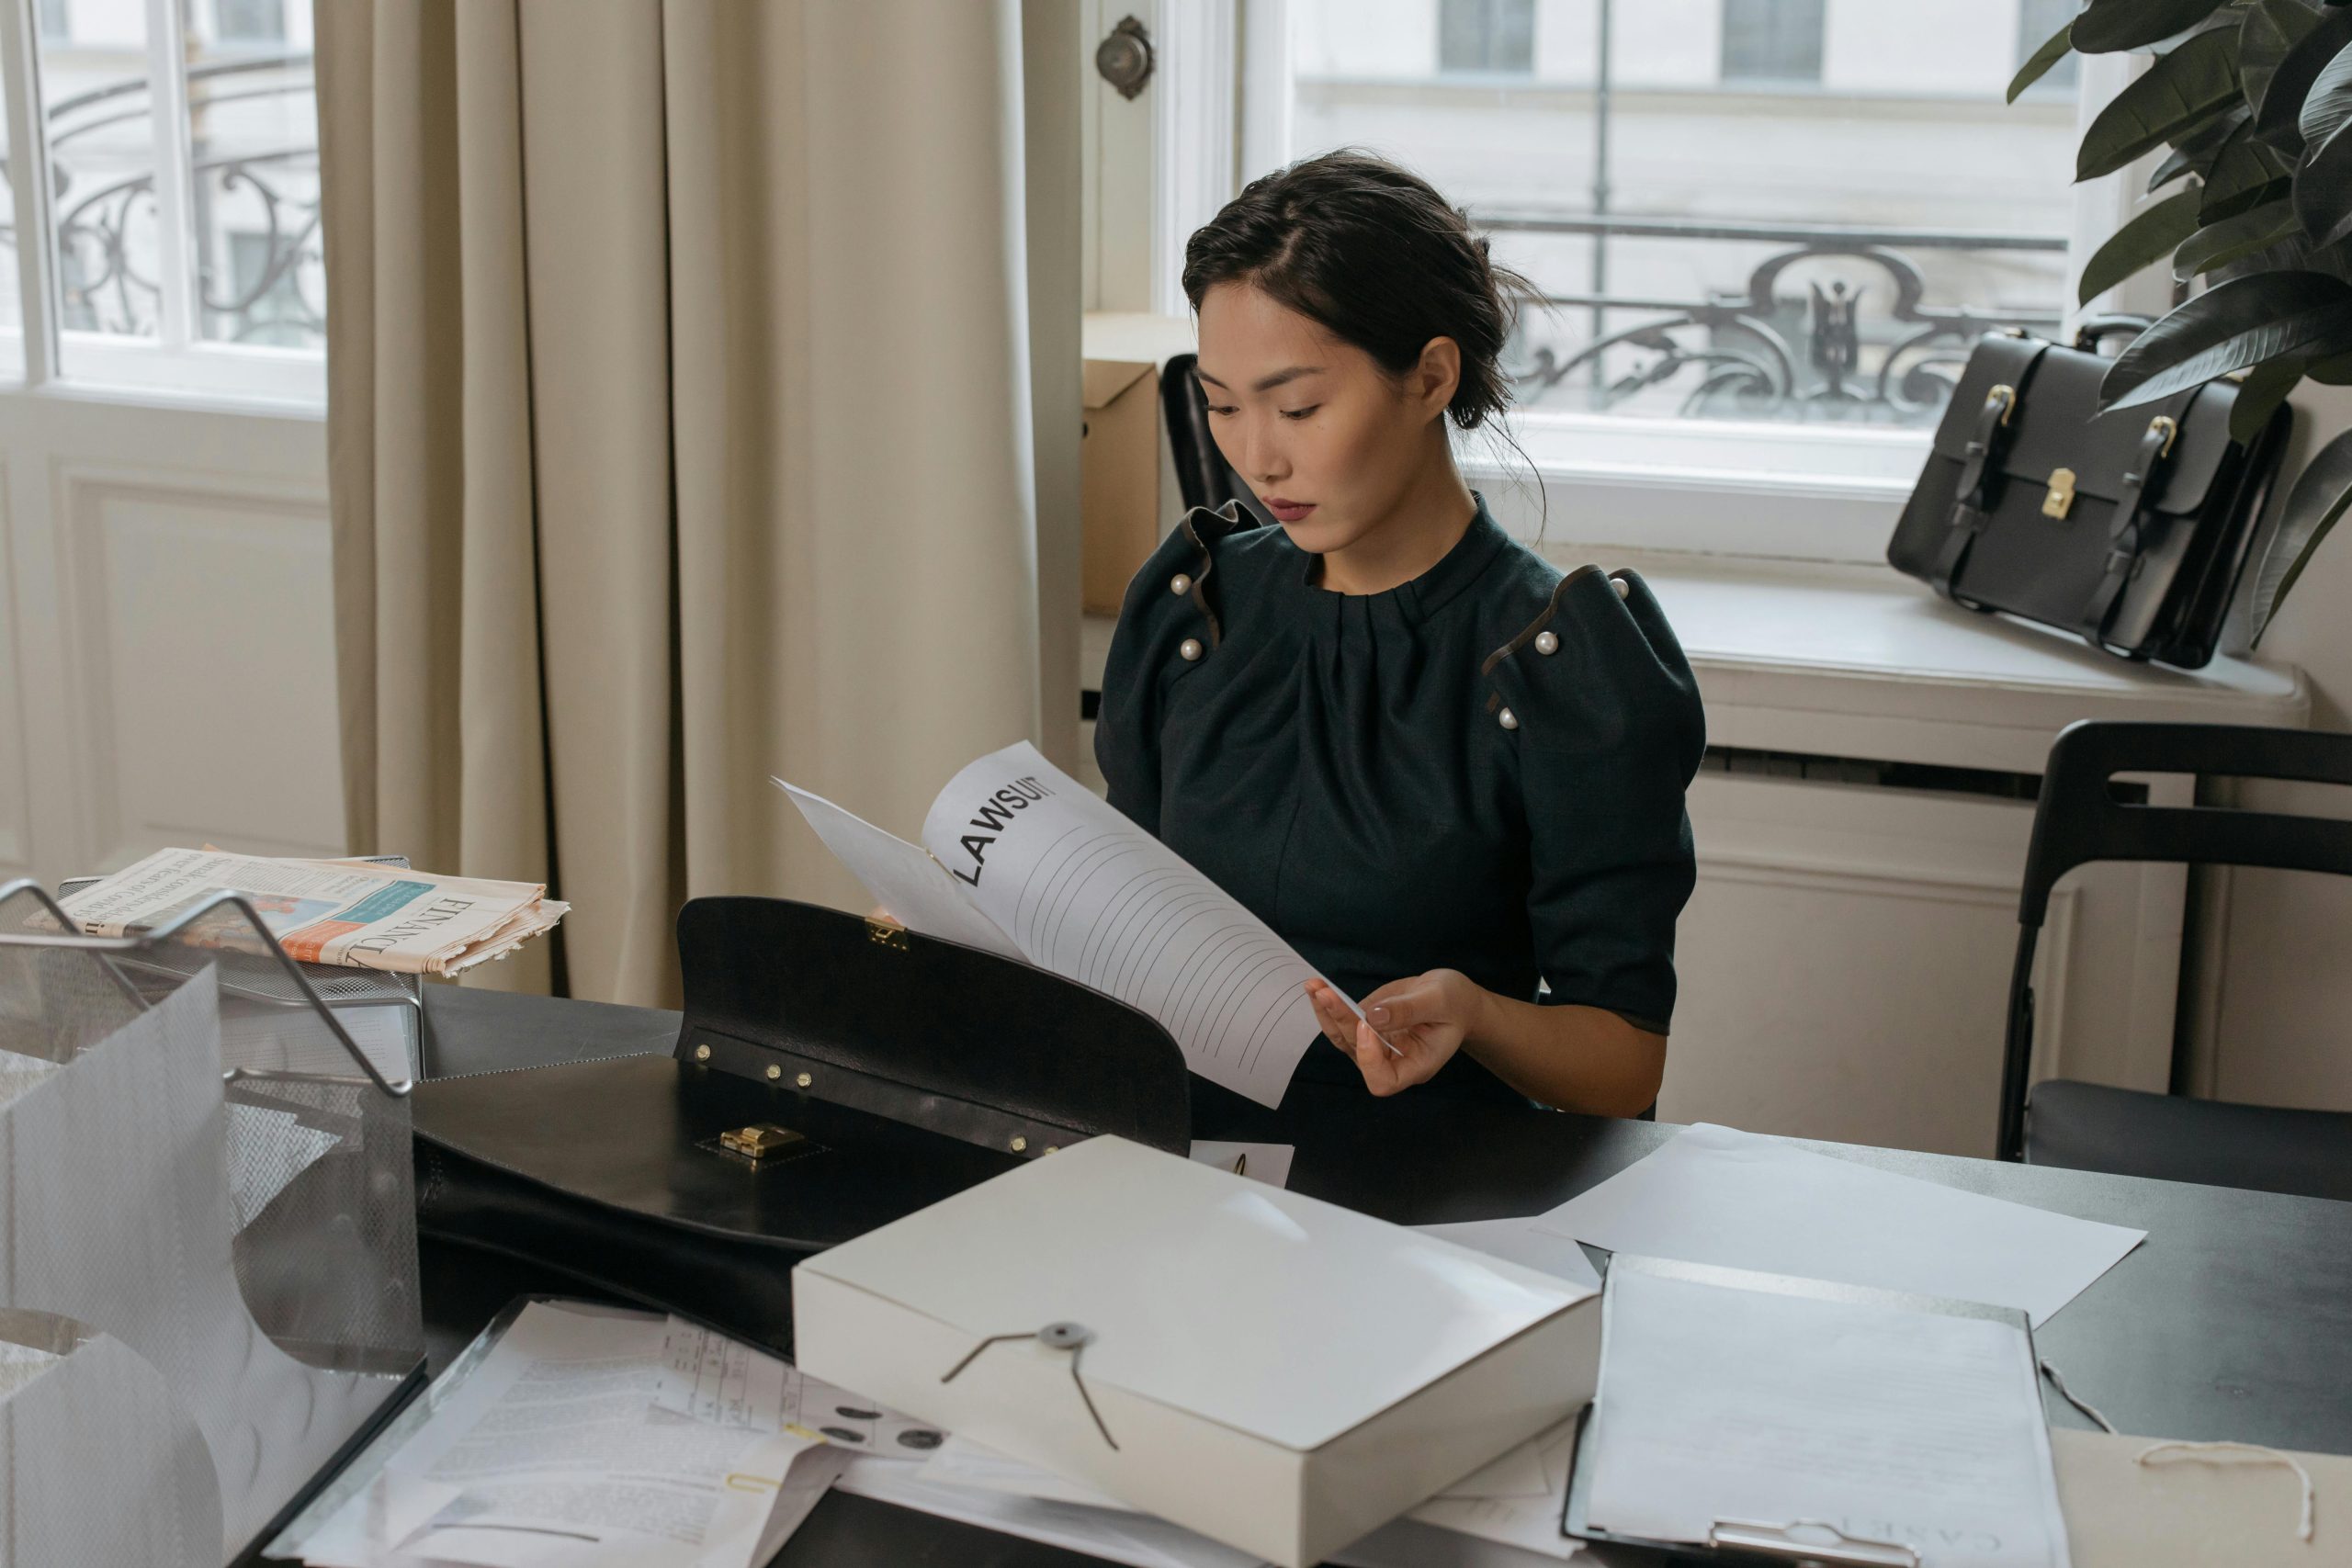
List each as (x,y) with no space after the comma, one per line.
(1733,1541)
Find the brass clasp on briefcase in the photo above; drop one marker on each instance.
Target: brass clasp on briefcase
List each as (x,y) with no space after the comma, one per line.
(2060,497)
(758,1141)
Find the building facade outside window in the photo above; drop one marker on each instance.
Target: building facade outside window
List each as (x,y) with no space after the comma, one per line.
(1495,37)
(1772,40)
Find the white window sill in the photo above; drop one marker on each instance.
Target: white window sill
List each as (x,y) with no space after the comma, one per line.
(1863,663)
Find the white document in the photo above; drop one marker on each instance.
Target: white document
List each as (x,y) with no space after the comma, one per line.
(1269,1162)
(1521,1243)
(1714,1195)
(1893,1424)
(552,1455)
(903,878)
(1525,1524)
(726,1382)
(1092,896)
(1059,878)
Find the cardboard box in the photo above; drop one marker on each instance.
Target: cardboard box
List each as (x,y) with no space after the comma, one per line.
(1281,1374)
(1118,478)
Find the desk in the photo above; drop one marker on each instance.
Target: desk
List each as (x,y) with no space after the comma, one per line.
(2234,1320)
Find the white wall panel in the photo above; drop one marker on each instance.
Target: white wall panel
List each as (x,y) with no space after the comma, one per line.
(206,630)
(16,788)
(166,631)
(1845,965)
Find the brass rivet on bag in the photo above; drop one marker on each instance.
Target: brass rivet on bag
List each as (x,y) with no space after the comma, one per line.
(1052,1150)
(774,1072)
(1020,1143)
(804,1080)
(702,1053)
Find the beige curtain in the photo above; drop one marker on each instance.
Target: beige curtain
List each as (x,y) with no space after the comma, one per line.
(681,432)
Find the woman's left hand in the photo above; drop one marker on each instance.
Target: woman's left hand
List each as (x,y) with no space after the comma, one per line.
(1426,1018)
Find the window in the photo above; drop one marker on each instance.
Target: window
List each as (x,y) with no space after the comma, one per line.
(1752,306)
(182,250)
(251,21)
(1708,256)
(12,332)
(1495,37)
(1772,40)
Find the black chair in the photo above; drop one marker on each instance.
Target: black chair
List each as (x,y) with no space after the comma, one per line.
(1203,476)
(2080,819)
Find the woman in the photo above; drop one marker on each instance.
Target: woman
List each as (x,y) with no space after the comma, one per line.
(1439,769)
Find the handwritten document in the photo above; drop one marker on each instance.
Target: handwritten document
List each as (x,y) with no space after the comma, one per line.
(1086,893)
(1891,1423)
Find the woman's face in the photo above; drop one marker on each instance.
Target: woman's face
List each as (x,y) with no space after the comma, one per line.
(1330,442)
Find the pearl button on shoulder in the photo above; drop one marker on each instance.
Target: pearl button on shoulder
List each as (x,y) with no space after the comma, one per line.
(1623,587)
(1190,648)
(1180,585)
(1508,719)
(1547,642)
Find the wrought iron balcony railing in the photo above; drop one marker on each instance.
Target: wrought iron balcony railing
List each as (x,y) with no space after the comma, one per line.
(1866,348)
(260,269)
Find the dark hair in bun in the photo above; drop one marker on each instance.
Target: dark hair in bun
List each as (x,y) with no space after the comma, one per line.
(1371,253)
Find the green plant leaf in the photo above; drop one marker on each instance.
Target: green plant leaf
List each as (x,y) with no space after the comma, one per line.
(2195,150)
(2147,239)
(2240,174)
(2314,501)
(2278,119)
(2269,29)
(2054,48)
(2218,245)
(2108,26)
(2328,105)
(2232,326)
(2259,397)
(2180,89)
(2322,194)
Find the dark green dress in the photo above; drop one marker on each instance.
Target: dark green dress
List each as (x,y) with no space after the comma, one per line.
(1481,770)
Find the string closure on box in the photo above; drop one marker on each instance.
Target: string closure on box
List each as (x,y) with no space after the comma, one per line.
(1071,1336)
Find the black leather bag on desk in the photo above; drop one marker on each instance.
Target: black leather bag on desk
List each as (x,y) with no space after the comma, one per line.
(2129,528)
(890,1070)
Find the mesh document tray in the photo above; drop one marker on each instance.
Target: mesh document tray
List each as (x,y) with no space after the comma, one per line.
(831,1074)
(210,1270)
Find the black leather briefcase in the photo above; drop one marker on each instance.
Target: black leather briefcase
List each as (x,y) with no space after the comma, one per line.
(2129,528)
(831,1074)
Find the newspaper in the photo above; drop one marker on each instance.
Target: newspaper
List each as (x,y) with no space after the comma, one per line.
(323,911)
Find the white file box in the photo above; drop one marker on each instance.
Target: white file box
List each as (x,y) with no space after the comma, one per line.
(1276,1373)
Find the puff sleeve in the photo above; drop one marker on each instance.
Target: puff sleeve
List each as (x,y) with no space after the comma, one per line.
(1167,622)
(1600,705)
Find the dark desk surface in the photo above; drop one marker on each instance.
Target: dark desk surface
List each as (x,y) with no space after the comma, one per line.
(2233,1320)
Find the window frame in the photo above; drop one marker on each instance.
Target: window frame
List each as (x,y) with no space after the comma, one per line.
(178,365)
(1760,491)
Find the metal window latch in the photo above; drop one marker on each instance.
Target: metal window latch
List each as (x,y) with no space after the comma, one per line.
(2061,498)
(1071,1336)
